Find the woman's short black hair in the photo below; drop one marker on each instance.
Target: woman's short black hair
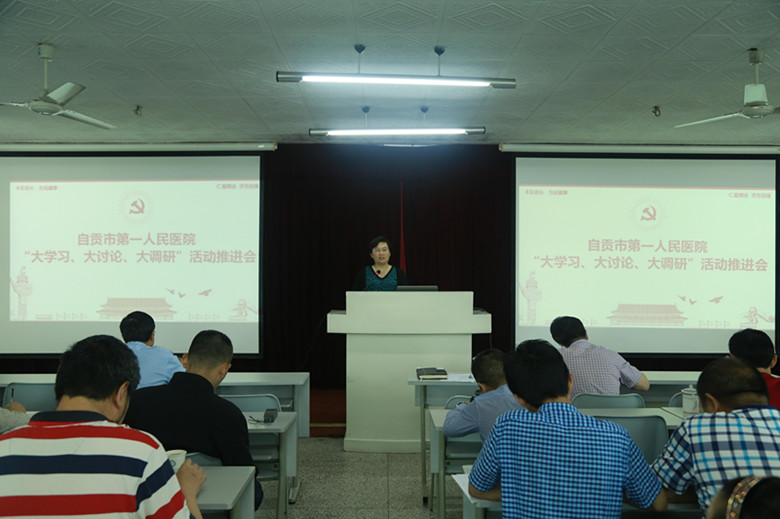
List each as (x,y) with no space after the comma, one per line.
(376,241)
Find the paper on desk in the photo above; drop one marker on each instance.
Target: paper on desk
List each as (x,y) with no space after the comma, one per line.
(460,377)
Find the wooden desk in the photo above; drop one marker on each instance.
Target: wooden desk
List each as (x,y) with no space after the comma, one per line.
(228,488)
(435,393)
(283,428)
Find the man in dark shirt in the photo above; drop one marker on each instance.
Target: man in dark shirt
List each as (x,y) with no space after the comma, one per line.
(187,414)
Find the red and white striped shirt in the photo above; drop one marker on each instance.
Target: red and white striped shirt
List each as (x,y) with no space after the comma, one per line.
(79,464)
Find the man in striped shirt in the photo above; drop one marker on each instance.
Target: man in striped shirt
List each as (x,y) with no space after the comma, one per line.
(78,461)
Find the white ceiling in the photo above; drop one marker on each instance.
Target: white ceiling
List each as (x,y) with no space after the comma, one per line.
(204,71)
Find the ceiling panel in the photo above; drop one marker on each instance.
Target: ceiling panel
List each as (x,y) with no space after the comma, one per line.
(204,70)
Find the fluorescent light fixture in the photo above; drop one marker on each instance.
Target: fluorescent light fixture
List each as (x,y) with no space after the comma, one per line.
(152,146)
(638,148)
(394,132)
(391,79)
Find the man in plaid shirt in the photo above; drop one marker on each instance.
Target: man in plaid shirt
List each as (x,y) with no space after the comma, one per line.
(738,435)
(595,369)
(551,461)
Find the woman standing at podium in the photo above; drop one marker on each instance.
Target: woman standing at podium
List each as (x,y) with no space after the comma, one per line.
(381,276)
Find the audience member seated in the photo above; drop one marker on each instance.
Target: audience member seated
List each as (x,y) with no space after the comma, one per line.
(595,369)
(157,364)
(480,414)
(737,435)
(12,415)
(187,414)
(78,461)
(753,497)
(552,461)
(755,348)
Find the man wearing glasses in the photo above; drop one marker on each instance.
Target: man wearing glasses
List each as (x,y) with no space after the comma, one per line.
(737,435)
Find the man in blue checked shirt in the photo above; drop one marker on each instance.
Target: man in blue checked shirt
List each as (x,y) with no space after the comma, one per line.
(737,435)
(551,460)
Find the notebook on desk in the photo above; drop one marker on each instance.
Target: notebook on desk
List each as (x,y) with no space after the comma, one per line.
(431,373)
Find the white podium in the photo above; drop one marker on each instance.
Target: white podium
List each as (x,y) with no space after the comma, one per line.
(389,335)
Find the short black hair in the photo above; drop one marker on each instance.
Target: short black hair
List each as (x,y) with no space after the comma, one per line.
(209,349)
(376,241)
(566,329)
(754,347)
(95,367)
(733,382)
(536,372)
(137,326)
(488,368)
(761,501)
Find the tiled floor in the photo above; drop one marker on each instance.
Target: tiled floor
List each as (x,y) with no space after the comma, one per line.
(351,485)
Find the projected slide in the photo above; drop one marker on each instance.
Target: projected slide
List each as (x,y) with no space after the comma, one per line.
(185,250)
(661,245)
(89,239)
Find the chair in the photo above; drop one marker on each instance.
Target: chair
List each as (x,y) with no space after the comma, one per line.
(285,393)
(455,400)
(33,396)
(676,400)
(458,451)
(254,403)
(264,449)
(594,401)
(648,432)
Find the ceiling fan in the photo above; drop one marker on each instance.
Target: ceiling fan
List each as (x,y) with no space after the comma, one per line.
(52,103)
(755,105)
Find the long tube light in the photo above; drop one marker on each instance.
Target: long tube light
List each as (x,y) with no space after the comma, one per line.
(391,79)
(639,148)
(395,132)
(125,146)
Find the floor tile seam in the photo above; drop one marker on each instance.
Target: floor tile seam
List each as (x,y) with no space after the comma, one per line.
(387,486)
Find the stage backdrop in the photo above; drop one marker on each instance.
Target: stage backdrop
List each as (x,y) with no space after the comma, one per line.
(324,203)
